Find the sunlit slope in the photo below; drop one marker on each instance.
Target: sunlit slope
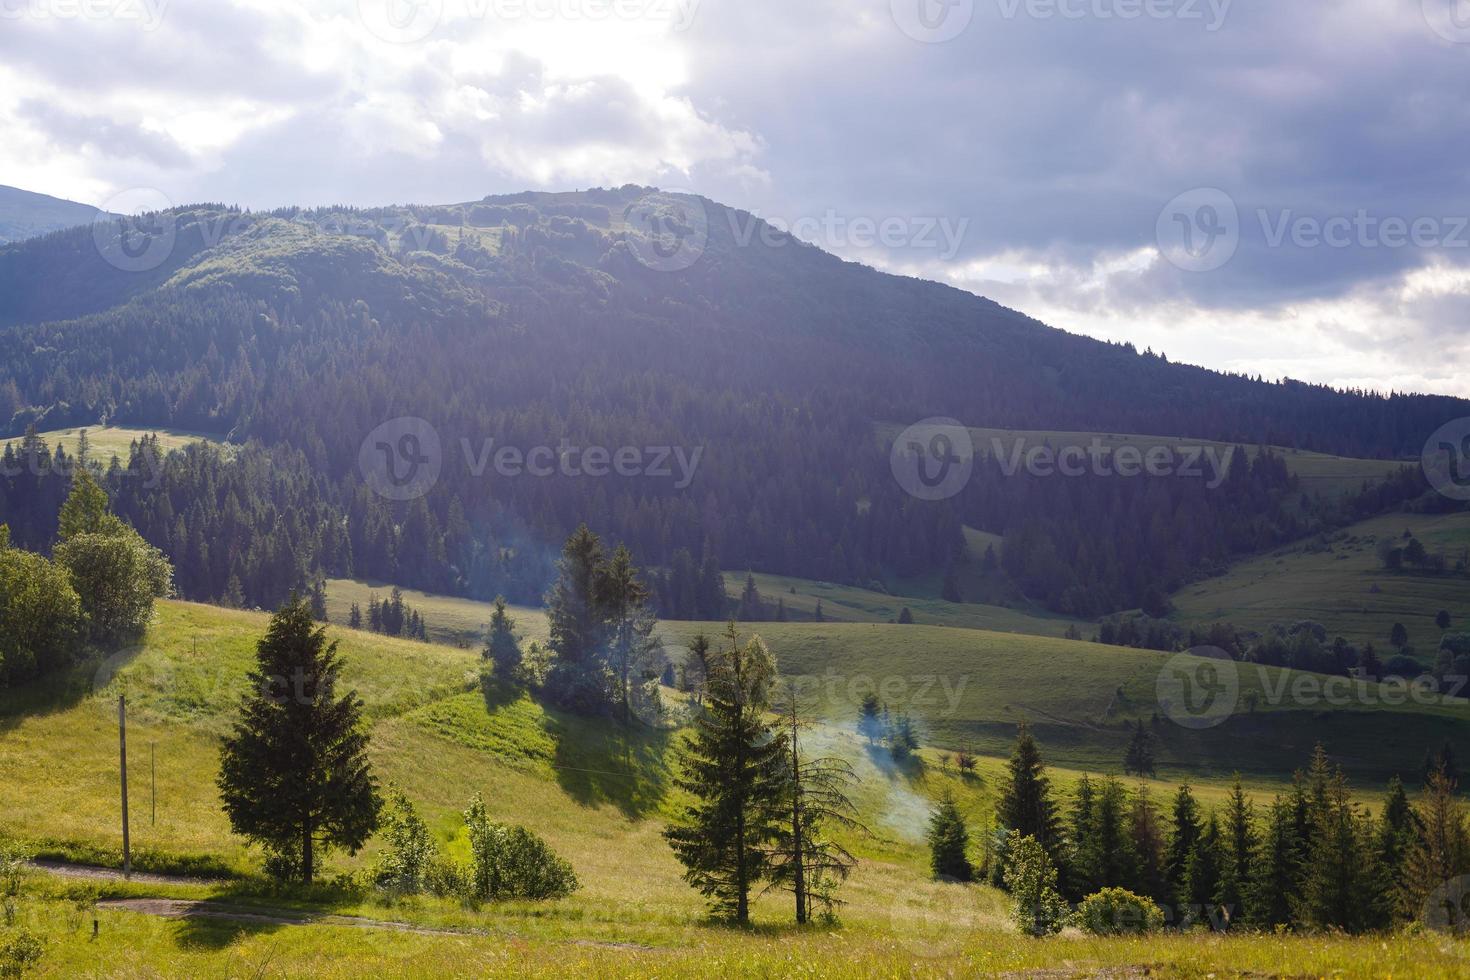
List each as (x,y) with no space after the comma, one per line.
(1342,583)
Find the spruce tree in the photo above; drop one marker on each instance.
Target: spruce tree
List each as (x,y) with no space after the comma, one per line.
(1398,829)
(1272,895)
(1441,853)
(1239,852)
(806,861)
(1146,841)
(502,647)
(1104,856)
(870,719)
(734,768)
(294,773)
(949,841)
(1139,758)
(622,600)
(1341,872)
(1204,872)
(1025,805)
(1183,839)
(578,678)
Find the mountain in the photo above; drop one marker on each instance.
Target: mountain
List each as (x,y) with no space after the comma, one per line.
(745,377)
(24,214)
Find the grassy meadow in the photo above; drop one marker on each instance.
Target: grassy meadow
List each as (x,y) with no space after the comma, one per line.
(108,441)
(1341,583)
(600,794)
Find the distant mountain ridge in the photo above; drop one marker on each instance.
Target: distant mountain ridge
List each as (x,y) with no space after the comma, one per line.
(629,317)
(25,214)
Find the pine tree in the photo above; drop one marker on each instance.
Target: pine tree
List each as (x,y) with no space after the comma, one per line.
(949,841)
(870,720)
(1340,871)
(903,738)
(1441,852)
(905,616)
(734,767)
(1183,840)
(1139,759)
(579,678)
(294,773)
(1146,837)
(1239,851)
(354,617)
(1272,895)
(1102,844)
(502,646)
(622,599)
(806,861)
(752,606)
(950,590)
(1204,872)
(1025,805)
(819,616)
(1398,829)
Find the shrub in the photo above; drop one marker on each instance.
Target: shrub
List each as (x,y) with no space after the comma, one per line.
(409,852)
(512,862)
(1117,911)
(1037,908)
(19,951)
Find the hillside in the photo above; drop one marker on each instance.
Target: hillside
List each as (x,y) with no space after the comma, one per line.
(1341,582)
(24,214)
(746,384)
(597,792)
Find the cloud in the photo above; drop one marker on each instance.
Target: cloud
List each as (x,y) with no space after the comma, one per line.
(1052,132)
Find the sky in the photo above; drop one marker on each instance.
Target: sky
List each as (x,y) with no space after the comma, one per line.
(1275,187)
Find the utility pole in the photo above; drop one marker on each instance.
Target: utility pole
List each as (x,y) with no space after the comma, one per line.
(122,752)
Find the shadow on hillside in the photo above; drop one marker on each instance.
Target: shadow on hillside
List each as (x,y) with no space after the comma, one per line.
(603,762)
(61,691)
(214,934)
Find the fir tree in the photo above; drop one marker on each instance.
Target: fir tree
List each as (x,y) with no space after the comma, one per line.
(294,773)
(1146,837)
(1441,852)
(1272,895)
(1204,872)
(1183,840)
(806,861)
(870,719)
(502,646)
(734,767)
(354,617)
(1139,759)
(1025,805)
(949,841)
(1239,851)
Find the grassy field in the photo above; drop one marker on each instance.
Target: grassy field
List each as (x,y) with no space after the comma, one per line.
(600,794)
(108,441)
(851,604)
(1318,472)
(1342,584)
(451,621)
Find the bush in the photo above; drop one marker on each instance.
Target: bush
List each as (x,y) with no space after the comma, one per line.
(409,851)
(1117,911)
(512,862)
(19,951)
(1037,908)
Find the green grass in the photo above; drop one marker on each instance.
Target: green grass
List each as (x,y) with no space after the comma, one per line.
(851,604)
(1341,583)
(1318,472)
(108,441)
(451,621)
(600,794)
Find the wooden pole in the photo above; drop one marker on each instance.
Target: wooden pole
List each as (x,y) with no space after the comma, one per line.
(122,752)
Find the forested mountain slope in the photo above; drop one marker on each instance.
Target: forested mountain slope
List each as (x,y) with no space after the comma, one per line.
(537,318)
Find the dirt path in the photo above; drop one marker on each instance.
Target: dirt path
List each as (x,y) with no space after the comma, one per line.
(94,873)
